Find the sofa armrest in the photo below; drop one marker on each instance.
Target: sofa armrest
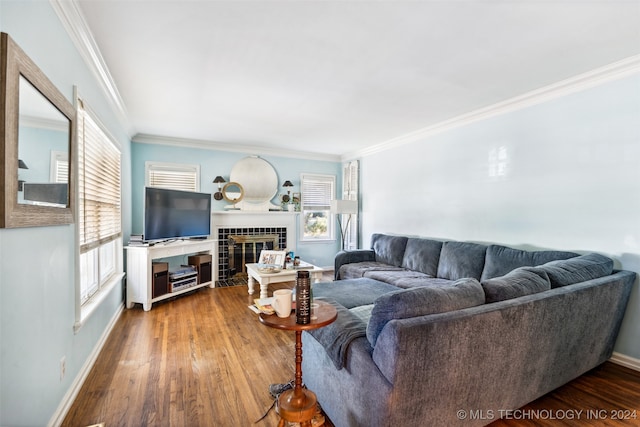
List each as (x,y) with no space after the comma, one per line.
(348,257)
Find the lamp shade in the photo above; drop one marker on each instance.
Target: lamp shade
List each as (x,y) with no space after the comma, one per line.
(22,165)
(287,183)
(344,206)
(219,179)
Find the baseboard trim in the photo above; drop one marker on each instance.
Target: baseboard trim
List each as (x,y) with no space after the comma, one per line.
(626,361)
(68,399)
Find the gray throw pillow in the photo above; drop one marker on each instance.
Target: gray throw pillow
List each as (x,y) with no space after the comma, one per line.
(414,302)
(517,283)
(578,269)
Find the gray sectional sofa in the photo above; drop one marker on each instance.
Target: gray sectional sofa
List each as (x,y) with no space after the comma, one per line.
(456,333)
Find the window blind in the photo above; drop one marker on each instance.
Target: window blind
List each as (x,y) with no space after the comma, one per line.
(317,192)
(172,176)
(99,181)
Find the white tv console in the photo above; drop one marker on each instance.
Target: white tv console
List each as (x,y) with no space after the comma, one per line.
(140,268)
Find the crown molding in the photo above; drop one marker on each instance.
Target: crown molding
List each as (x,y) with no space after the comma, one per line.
(76,27)
(237,148)
(599,76)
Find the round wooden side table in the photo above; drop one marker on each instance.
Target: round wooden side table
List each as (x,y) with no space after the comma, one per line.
(299,405)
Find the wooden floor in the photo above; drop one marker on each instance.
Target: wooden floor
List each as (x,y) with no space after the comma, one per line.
(204,359)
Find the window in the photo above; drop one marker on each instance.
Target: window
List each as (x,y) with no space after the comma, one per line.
(99,217)
(173,176)
(317,193)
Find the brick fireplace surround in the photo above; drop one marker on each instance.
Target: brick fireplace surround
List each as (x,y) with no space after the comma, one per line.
(249,223)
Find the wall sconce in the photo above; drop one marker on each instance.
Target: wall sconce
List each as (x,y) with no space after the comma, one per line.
(21,165)
(344,207)
(219,180)
(287,197)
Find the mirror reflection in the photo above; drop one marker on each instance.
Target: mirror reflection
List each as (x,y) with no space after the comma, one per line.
(43,150)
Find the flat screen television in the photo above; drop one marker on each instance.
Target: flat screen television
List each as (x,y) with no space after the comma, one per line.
(174,214)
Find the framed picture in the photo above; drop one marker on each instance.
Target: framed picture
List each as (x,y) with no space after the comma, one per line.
(296,198)
(272,257)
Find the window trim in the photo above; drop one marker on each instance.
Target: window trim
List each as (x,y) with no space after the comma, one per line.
(83,311)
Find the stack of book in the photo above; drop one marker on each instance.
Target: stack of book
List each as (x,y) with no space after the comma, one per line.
(263,305)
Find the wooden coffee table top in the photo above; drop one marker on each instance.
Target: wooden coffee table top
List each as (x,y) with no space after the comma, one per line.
(325,314)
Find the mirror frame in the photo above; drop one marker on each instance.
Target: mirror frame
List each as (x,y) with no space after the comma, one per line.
(15,63)
(227,186)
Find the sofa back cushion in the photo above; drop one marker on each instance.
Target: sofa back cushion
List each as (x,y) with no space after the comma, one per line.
(578,269)
(414,302)
(422,255)
(501,259)
(517,283)
(461,259)
(389,249)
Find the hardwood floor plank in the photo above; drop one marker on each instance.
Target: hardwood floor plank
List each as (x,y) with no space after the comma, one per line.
(204,359)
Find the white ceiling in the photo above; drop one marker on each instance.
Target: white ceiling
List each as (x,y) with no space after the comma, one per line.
(336,77)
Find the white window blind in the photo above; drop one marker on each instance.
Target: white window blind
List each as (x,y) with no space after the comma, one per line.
(317,192)
(99,185)
(173,176)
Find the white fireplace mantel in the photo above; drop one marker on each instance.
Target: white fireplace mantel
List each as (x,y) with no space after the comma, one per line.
(254,219)
(244,219)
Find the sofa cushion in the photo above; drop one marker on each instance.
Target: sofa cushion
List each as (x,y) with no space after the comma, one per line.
(353,292)
(419,282)
(422,255)
(359,269)
(461,259)
(389,249)
(517,283)
(501,259)
(578,269)
(393,276)
(405,303)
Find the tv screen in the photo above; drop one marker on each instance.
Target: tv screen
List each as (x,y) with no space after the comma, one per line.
(174,214)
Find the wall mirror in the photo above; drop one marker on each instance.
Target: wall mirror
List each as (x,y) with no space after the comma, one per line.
(233,192)
(37,129)
(260,183)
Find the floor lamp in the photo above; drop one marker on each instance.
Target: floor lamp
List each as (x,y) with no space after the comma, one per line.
(344,207)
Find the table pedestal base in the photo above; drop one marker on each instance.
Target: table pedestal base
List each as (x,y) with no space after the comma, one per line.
(298,406)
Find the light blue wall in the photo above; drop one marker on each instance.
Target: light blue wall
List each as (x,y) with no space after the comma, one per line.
(215,162)
(37,264)
(572,182)
(38,160)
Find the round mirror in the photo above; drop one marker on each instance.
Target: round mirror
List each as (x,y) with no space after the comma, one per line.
(258,178)
(233,192)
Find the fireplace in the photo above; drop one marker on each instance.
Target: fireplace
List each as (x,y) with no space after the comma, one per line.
(246,249)
(237,232)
